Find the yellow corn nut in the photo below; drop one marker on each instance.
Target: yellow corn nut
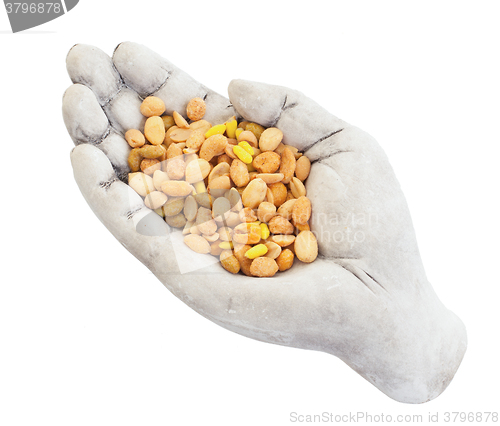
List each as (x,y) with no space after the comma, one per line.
(219,129)
(256,251)
(246,146)
(242,154)
(231,129)
(226,245)
(264,231)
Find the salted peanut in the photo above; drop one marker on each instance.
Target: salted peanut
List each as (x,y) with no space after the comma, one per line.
(285,260)
(297,187)
(135,138)
(215,250)
(150,165)
(204,221)
(194,230)
(195,109)
(287,166)
(286,209)
(283,240)
(173,206)
(302,227)
(141,183)
(180,134)
(167,141)
(168,121)
(273,250)
(180,121)
(174,151)
(222,169)
(225,233)
(234,198)
(219,185)
(190,208)
(280,225)
(289,196)
(176,168)
(151,106)
(220,209)
(254,193)
(269,196)
(267,162)
(213,145)
(154,200)
(187,227)
(177,188)
(255,128)
(279,149)
(252,175)
(270,139)
(306,247)
(197,170)
(243,124)
(239,173)
(302,168)
(195,139)
(248,136)
(159,177)
(256,251)
(266,211)
(270,177)
(197,243)
(232,141)
(245,262)
(263,267)
(230,263)
(228,150)
(211,238)
(154,130)
(163,156)
(279,193)
(233,219)
(301,211)
(136,155)
(295,151)
(177,221)
(224,158)
(200,124)
(190,157)
(204,199)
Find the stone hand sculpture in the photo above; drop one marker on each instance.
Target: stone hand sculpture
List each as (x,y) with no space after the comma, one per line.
(366,299)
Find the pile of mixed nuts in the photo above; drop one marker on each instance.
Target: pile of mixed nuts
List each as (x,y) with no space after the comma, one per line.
(236,190)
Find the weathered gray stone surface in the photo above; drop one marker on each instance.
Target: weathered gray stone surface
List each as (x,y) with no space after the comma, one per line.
(366,299)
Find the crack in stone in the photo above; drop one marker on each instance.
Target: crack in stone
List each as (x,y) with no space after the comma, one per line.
(329,135)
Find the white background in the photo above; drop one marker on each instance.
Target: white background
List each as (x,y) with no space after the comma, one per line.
(88,336)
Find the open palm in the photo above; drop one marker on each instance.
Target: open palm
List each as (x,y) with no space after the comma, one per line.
(366,298)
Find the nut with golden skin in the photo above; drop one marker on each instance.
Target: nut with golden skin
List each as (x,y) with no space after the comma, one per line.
(154,130)
(196,109)
(266,211)
(301,211)
(267,162)
(279,193)
(263,267)
(285,260)
(280,225)
(135,138)
(150,165)
(239,173)
(152,106)
(288,165)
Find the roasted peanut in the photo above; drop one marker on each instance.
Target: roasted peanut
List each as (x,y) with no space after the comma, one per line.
(279,193)
(213,145)
(176,188)
(301,211)
(254,193)
(230,263)
(287,166)
(280,225)
(270,139)
(239,173)
(285,260)
(141,183)
(306,247)
(196,109)
(267,162)
(263,267)
(154,200)
(266,211)
(154,130)
(135,138)
(197,243)
(152,106)
(302,168)
(150,165)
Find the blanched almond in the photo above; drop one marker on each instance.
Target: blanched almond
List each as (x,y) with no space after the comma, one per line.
(254,193)
(306,247)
